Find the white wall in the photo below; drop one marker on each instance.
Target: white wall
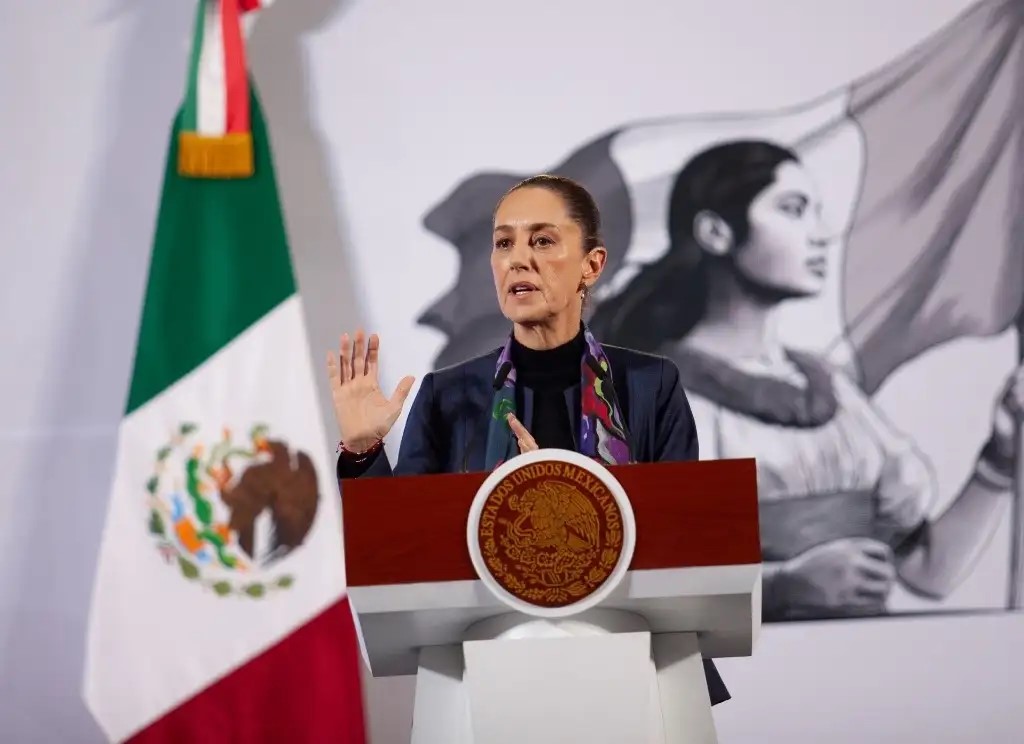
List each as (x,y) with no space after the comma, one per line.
(376,110)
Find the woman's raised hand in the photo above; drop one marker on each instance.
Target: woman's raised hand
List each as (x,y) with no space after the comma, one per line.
(363,413)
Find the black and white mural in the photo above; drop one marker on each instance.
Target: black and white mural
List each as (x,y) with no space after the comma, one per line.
(794,264)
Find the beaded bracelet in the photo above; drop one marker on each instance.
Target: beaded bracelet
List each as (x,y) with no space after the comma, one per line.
(354,456)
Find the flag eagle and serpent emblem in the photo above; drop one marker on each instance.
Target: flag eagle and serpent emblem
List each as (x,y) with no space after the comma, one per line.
(225,514)
(551,533)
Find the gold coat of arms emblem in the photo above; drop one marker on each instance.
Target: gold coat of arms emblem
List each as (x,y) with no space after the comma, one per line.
(550,533)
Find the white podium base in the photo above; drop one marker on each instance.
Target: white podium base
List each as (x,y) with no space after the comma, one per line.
(600,677)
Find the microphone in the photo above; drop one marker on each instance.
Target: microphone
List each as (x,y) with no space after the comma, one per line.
(502,375)
(613,397)
(499,380)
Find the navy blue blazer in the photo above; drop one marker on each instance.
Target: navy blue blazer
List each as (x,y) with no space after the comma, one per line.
(446,429)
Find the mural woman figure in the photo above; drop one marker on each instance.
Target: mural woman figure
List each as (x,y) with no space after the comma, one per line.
(844,496)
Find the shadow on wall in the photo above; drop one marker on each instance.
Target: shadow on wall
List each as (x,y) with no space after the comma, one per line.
(309,191)
(311,195)
(41,688)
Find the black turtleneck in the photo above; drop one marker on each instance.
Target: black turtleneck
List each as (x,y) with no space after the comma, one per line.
(549,373)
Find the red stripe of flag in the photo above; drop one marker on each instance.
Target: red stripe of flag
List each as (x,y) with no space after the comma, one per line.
(304,690)
(235,78)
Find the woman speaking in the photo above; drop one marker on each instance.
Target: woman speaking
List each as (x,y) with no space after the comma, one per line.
(551,385)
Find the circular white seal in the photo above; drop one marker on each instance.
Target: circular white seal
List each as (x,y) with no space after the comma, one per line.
(551,533)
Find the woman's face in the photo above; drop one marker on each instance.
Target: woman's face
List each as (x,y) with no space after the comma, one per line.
(786,249)
(537,259)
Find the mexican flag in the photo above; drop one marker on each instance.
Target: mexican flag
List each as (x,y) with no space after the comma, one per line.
(219,610)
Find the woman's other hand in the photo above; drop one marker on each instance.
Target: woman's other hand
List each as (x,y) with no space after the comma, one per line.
(526,441)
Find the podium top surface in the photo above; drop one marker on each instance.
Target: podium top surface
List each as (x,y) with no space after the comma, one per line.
(412,529)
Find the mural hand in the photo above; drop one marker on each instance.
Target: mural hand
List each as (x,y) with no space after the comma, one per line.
(845,576)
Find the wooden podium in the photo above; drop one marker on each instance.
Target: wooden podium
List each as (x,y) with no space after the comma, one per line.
(626,670)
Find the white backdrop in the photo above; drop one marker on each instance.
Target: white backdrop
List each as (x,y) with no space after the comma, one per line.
(377,109)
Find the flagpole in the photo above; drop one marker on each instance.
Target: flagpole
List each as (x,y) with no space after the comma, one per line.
(1016,574)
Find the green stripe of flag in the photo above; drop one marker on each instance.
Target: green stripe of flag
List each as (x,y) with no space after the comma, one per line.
(220,261)
(190,109)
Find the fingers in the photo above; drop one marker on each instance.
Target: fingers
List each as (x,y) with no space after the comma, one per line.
(333,371)
(359,355)
(402,390)
(873,583)
(873,549)
(870,592)
(873,560)
(372,354)
(872,589)
(517,427)
(346,359)
(526,441)
(398,400)
(874,571)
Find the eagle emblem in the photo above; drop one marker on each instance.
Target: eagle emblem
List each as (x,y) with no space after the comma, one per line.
(225,513)
(554,515)
(550,535)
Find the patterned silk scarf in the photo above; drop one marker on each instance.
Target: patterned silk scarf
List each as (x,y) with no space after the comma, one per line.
(600,434)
